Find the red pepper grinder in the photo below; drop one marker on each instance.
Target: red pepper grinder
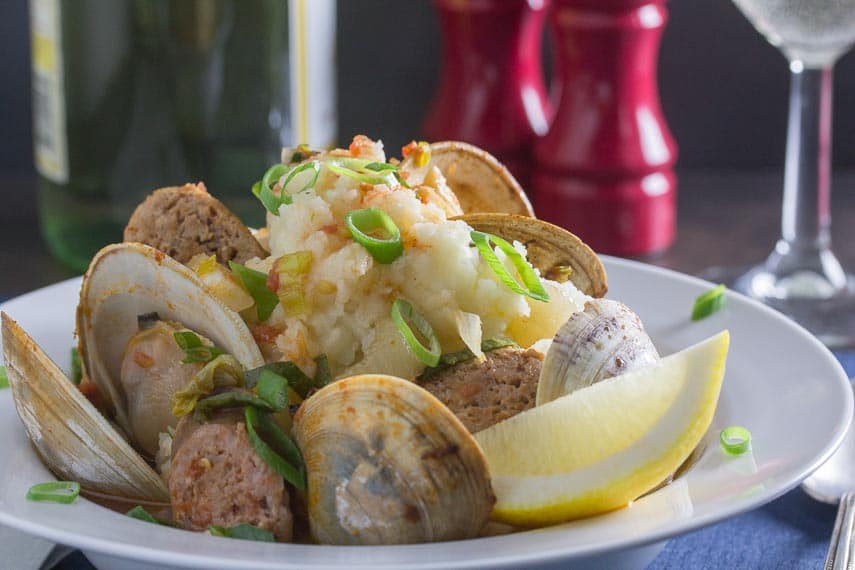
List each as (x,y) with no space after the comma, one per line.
(605,168)
(491,91)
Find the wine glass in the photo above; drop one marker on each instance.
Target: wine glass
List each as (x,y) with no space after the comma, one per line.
(802,277)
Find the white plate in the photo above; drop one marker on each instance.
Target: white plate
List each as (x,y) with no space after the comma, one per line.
(781,384)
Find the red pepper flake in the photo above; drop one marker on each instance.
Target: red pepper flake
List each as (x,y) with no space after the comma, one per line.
(273,279)
(142,359)
(360,143)
(409,148)
(90,392)
(265,333)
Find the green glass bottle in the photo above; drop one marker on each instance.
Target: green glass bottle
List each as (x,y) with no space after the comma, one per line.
(133,95)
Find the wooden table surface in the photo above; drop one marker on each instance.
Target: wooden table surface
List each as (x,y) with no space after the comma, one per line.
(724,218)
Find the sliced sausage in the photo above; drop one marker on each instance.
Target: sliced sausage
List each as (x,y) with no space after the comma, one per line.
(484,393)
(183,221)
(217,478)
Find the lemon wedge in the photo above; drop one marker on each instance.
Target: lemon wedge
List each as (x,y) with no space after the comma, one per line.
(603,446)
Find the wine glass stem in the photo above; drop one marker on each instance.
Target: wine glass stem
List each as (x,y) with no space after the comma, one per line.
(807,186)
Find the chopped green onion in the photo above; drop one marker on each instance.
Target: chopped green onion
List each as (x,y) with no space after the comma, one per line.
(206,407)
(255,282)
(242,531)
(401,180)
(313,165)
(76,369)
(735,440)
(359,176)
(296,378)
(365,225)
(451,358)
(323,376)
(708,303)
(193,348)
(263,189)
(273,389)
(403,314)
(4,380)
(266,196)
(54,492)
(380,166)
(292,270)
(290,466)
(141,514)
(531,285)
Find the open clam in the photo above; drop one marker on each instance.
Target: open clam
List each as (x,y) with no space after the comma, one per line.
(75,441)
(480,182)
(387,463)
(127,280)
(557,253)
(124,281)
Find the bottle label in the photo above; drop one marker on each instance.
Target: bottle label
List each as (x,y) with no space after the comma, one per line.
(312,43)
(49,129)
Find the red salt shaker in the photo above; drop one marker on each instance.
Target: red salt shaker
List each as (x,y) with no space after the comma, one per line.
(605,168)
(491,91)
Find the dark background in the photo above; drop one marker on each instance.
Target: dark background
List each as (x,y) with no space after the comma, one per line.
(723,89)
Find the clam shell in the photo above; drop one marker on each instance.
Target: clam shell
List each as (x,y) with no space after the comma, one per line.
(481,183)
(130,279)
(387,463)
(606,339)
(557,253)
(74,440)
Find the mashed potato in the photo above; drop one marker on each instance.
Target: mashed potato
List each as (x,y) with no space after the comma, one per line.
(349,295)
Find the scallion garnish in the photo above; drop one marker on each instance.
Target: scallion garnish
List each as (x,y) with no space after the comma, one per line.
(54,492)
(314,166)
(273,389)
(242,531)
(708,303)
(735,440)
(255,282)
(405,317)
(376,232)
(194,349)
(141,514)
(285,459)
(296,378)
(380,166)
(76,369)
(263,189)
(366,178)
(531,285)
(206,407)
(4,380)
(451,358)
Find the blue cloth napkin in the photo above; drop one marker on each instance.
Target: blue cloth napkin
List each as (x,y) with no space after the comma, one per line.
(790,532)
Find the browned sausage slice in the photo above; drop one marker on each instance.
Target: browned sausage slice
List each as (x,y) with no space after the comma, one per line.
(183,221)
(484,393)
(217,478)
